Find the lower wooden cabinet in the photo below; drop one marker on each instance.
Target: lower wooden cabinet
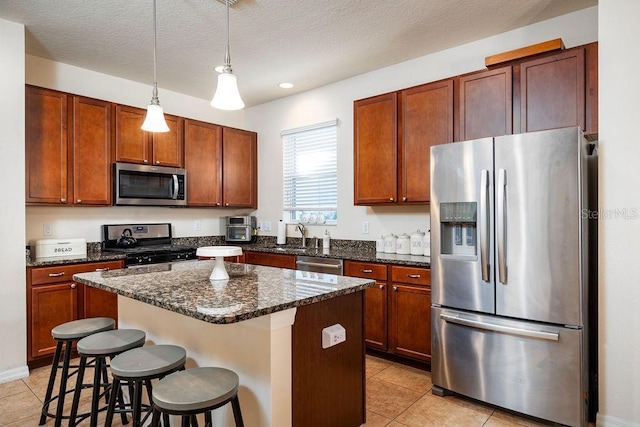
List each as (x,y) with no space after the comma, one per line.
(54,298)
(397,308)
(270,260)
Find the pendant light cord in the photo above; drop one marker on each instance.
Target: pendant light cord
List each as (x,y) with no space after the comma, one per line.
(227,55)
(155,78)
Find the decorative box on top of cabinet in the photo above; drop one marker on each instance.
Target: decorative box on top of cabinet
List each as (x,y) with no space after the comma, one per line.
(68,149)
(133,145)
(393,134)
(54,298)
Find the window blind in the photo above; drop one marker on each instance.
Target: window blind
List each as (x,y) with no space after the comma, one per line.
(310,168)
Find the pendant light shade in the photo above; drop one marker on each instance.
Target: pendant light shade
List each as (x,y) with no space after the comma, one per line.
(154,120)
(227,96)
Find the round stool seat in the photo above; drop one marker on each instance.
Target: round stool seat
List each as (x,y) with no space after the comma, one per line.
(195,389)
(111,342)
(77,329)
(148,361)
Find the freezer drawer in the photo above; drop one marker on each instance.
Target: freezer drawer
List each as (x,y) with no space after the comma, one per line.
(522,366)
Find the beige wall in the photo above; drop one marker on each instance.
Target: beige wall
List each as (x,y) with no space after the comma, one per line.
(13,356)
(619,225)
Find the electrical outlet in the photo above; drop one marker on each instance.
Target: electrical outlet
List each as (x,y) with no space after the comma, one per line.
(365,227)
(197,225)
(333,335)
(47,229)
(266,225)
(259,225)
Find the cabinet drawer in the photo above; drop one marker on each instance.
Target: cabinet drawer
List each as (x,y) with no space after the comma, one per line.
(413,275)
(64,273)
(366,270)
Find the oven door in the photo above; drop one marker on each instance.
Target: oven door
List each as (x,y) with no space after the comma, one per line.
(149,185)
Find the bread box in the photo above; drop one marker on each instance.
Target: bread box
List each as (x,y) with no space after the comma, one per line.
(59,249)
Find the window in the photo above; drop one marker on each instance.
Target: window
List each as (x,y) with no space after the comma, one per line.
(311,173)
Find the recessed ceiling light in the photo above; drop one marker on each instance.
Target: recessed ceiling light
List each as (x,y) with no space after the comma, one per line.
(219,68)
(286,85)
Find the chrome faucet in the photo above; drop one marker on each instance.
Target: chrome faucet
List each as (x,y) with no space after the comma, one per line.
(302,231)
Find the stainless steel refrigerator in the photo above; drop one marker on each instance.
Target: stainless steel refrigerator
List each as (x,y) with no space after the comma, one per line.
(509,262)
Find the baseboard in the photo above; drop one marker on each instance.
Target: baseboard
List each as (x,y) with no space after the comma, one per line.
(611,421)
(14,374)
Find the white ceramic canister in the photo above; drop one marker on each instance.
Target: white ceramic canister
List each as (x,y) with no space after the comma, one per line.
(380,244)
(390,244)
(427,243)
(417,240)
(403,244)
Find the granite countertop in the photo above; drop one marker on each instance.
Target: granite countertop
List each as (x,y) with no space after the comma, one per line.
(352,250)
(251,291)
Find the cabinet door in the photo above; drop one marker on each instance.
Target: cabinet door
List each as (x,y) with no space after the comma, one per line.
(51,306)
(375,150)
(99,303)
(270,260)
(168,147)
(239,168)
(375,316)
(91,152)
(410,321)
(486,104)
(46,120)
(553,91)
(132,143)
(426,120)
(203,162)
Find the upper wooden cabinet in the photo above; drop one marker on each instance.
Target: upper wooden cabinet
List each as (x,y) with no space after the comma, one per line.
(393,134)
(133,145)
(375,150)
(91,152)
(552,91)
(67,142)
(426,117)
(222,166)
(203,160)
(485,107)
(239,168)
(46,144)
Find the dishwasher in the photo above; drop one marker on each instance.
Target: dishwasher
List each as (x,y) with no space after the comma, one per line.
(319,265)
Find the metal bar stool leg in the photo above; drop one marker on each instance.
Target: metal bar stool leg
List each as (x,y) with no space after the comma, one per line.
(237,414)
(208,422)
(52,380)
(63,384)
(115,386)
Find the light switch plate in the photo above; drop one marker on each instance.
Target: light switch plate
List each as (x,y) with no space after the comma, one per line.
(266,225)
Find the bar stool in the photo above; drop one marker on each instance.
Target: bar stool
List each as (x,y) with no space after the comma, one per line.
(65,334)
(196,391)
(100,346)
(138,367)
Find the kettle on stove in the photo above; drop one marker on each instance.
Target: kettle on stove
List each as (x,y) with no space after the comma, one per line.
(126,240)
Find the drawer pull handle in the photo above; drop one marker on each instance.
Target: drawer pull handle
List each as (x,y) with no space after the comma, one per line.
(102,269)
(367,271)
(56,274)
(73,286)
(413,276)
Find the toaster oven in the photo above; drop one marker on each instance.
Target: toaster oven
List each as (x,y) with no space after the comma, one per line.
(240,229)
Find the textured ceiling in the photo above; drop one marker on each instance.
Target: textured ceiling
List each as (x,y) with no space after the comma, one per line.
(307,42)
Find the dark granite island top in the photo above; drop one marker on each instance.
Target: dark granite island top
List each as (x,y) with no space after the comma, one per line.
(251,291)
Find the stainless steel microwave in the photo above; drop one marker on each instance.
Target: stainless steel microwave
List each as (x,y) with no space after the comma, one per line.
(146,185)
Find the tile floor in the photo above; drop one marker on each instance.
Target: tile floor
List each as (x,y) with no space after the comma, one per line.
(397,396)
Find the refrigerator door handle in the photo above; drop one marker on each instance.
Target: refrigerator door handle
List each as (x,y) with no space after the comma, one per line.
(501,219)
(485,226)
(500,328)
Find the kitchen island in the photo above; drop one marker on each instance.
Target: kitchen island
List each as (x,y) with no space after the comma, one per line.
(265,324)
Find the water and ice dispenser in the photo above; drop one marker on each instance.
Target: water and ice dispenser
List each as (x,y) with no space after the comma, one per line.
(458,229)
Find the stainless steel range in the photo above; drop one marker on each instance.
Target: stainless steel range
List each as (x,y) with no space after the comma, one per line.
(144,243)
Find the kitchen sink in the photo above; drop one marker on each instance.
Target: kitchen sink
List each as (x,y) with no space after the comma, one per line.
(286,249)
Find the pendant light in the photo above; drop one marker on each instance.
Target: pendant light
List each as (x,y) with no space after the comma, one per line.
(154,121)
(227,96)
